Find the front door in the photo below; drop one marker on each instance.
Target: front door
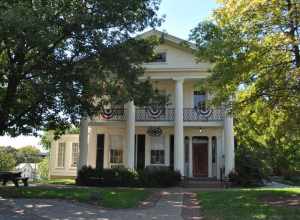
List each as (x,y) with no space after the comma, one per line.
(200,159)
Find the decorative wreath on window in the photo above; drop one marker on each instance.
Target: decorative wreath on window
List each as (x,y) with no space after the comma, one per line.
(154,111)
(154,131)
(107,113)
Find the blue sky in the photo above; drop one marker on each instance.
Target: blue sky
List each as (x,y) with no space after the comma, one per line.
(184,15)
(181,17)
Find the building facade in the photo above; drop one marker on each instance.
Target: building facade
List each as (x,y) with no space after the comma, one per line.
(186,135)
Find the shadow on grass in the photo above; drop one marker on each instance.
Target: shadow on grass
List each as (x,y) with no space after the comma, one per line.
(247,204)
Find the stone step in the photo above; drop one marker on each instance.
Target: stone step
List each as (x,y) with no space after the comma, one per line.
(202,184)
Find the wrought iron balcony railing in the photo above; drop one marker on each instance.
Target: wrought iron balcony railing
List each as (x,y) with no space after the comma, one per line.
(211,114)
(115,114)
(154,114)
(164,114)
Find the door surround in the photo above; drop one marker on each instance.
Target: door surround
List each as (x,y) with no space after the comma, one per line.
(200,156)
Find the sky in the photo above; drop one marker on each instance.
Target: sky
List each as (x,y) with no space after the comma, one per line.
(184,15)
(181,17)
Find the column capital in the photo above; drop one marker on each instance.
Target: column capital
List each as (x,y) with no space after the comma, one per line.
(178,79)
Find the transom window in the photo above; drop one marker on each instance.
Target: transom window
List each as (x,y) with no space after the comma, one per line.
(61,155)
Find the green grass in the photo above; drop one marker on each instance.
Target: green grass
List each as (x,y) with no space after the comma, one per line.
(107,197)
(58,181)
(237,204)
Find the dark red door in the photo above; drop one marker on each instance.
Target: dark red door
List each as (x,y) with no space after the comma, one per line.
(200,160)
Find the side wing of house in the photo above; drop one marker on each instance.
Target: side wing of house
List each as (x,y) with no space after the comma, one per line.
(64,156)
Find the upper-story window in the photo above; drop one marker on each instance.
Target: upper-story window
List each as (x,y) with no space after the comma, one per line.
(159,58)
(200,100)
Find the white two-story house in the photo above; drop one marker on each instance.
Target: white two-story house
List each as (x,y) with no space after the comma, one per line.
(185,135)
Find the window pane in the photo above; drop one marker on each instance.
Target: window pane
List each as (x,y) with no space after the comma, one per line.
(157,156)
(61,155)
(75,154)
(199,99)
(116,156)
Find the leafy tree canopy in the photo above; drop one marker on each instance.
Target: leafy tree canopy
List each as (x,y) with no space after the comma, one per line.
(7,160)
(28,154)
(254,48)
(62,59)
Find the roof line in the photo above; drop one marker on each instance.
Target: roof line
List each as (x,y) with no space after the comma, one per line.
(168,37)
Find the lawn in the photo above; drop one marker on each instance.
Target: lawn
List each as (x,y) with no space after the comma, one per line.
(107,197)
(58,181)
(251,204)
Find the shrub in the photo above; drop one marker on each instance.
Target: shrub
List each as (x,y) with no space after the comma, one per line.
(7,161)
(150,177)
(43,169)
(159,176)
(119,177)
(88,176)
(248,172)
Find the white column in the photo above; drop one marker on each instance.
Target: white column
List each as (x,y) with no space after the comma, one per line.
(219,156)
(83,143)
(228,144)
(130,134)
(209,156)
(179,137)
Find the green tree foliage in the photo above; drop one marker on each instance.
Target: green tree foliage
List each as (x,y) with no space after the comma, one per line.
(46,139)
(7,160)
(43,168)
(28,154)
(62,59)
(254,45)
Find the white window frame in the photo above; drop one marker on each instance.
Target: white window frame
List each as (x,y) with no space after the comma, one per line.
(61,153)
(158,146)
(116,144)
(75,154)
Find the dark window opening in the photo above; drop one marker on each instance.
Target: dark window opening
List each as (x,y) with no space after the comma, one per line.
(214,149)
(200,100)
(157,156)
(159,58)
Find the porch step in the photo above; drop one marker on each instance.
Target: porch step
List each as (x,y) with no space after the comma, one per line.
(202,183)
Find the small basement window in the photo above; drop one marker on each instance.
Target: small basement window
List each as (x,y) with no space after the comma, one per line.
(159,58)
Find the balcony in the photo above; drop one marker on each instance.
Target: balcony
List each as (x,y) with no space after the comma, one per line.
(147,114)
